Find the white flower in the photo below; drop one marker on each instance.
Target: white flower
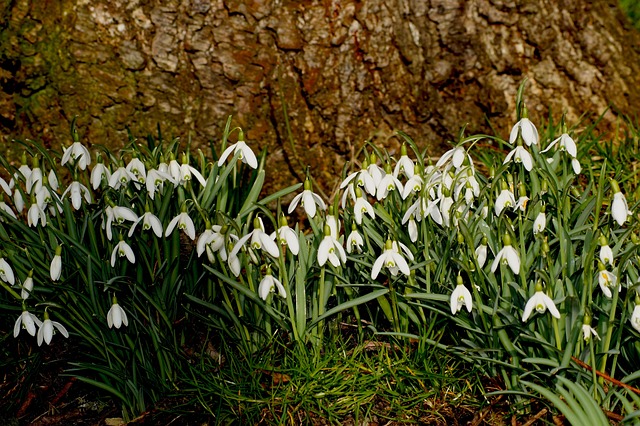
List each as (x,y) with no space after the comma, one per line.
(362,207)
(184,222)
(119,215)
(413,185)
(246,155)
(260,240)
(445,209)
(364,179)
(27,286)
(186,171)
(116,316)
(635,318)
(27,321)
(527,130)
(606,254)
(5,186)
(99,172)
(149,221)
(508,255)
(481,253)
(412,228)
(34,180)
(330,249)
(588,331)
(120,177)
(35,214)
(392,259)
(575,164)
(137,169)
(354,240)
(540,302)
(47,329)
(18,201)
(521,204)
(308,199)
(607,280)
(460,297)
(404,165)
(122,249)
(388,183)
(5,208)
(566,144)
(6,273)
(156,180)
(619,208)
(77,191)
(540,223)
(269,284)
(212,240)
(520,155)
(286,236)
(457,156)
(505,199)
(55,269)
(76,154)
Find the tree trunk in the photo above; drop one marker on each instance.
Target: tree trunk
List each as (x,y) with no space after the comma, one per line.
(308,80)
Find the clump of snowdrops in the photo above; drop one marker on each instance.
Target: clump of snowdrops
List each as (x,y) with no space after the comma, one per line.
(531,265)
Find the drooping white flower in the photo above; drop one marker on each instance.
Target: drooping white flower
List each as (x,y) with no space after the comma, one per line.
(607,280)
(245,154)
(520,155)
(540,223)
(540,302)
(446,202)
(392,259)
(606,254)
(413,185)
(361,179)
(507,256)
(354,240)
(269,284)
(149,222)
(526,129)
(330,249)
(36,214)
(5,208)
(505,200)
(566,143)
(412,228)
(116,316)
(116,214)
(286,236)
(461,296)
(187,172)
(76,154)
(362,207)
(28,321)
(405,165)
(619,208)
(481,252)
(308,199)
(387,184)
(27,286)
(6,272)
(55,269)
(260,240)
(137,169)
(155,181)
(455,156)
(120,178)
(99,172)
(587,330)
(182,221)
(122,249)
(212,240)
(46,330)
(76,190)
(635,318)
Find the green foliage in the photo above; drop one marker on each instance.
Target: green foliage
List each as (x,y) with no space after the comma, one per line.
(632,9)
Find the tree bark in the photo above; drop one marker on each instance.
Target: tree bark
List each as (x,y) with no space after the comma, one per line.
(308,80)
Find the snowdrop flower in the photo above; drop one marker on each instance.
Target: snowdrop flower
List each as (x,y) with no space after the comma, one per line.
(149,222)
(587,330)
(387,184)
(234,261)
(566,143)
(5,208)
(330,249)
(362,207)
(481,252)
(155,181)
(308,199)
(18,200)
(521,204)
(526,129)
(214,242)
(260,240)
(606,254)
(392,259)
(446,202)
(540,302)
(375,171)
(286,236)
(122,249)
(184,222)
(540,223)
(137,169)
(404,165)
(635,316)
(27,286)
(460,297)
(187,171)
(28,321)
(619,208)
(6,273)
(507,256)
(269,284)
(354,240)
(505,199)
(76,154)
(46,330)
(119,215)
(55,269)
(455,156)
(77,191)
(412,229)
(520,155)
(413,185)
(606,280)
(5,186)
(246,155)
(36,214)
(34,180)
(116,316)
(99,172)
(362,179)
(120,178)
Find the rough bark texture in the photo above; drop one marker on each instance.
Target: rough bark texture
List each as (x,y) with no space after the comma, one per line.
(343,70)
